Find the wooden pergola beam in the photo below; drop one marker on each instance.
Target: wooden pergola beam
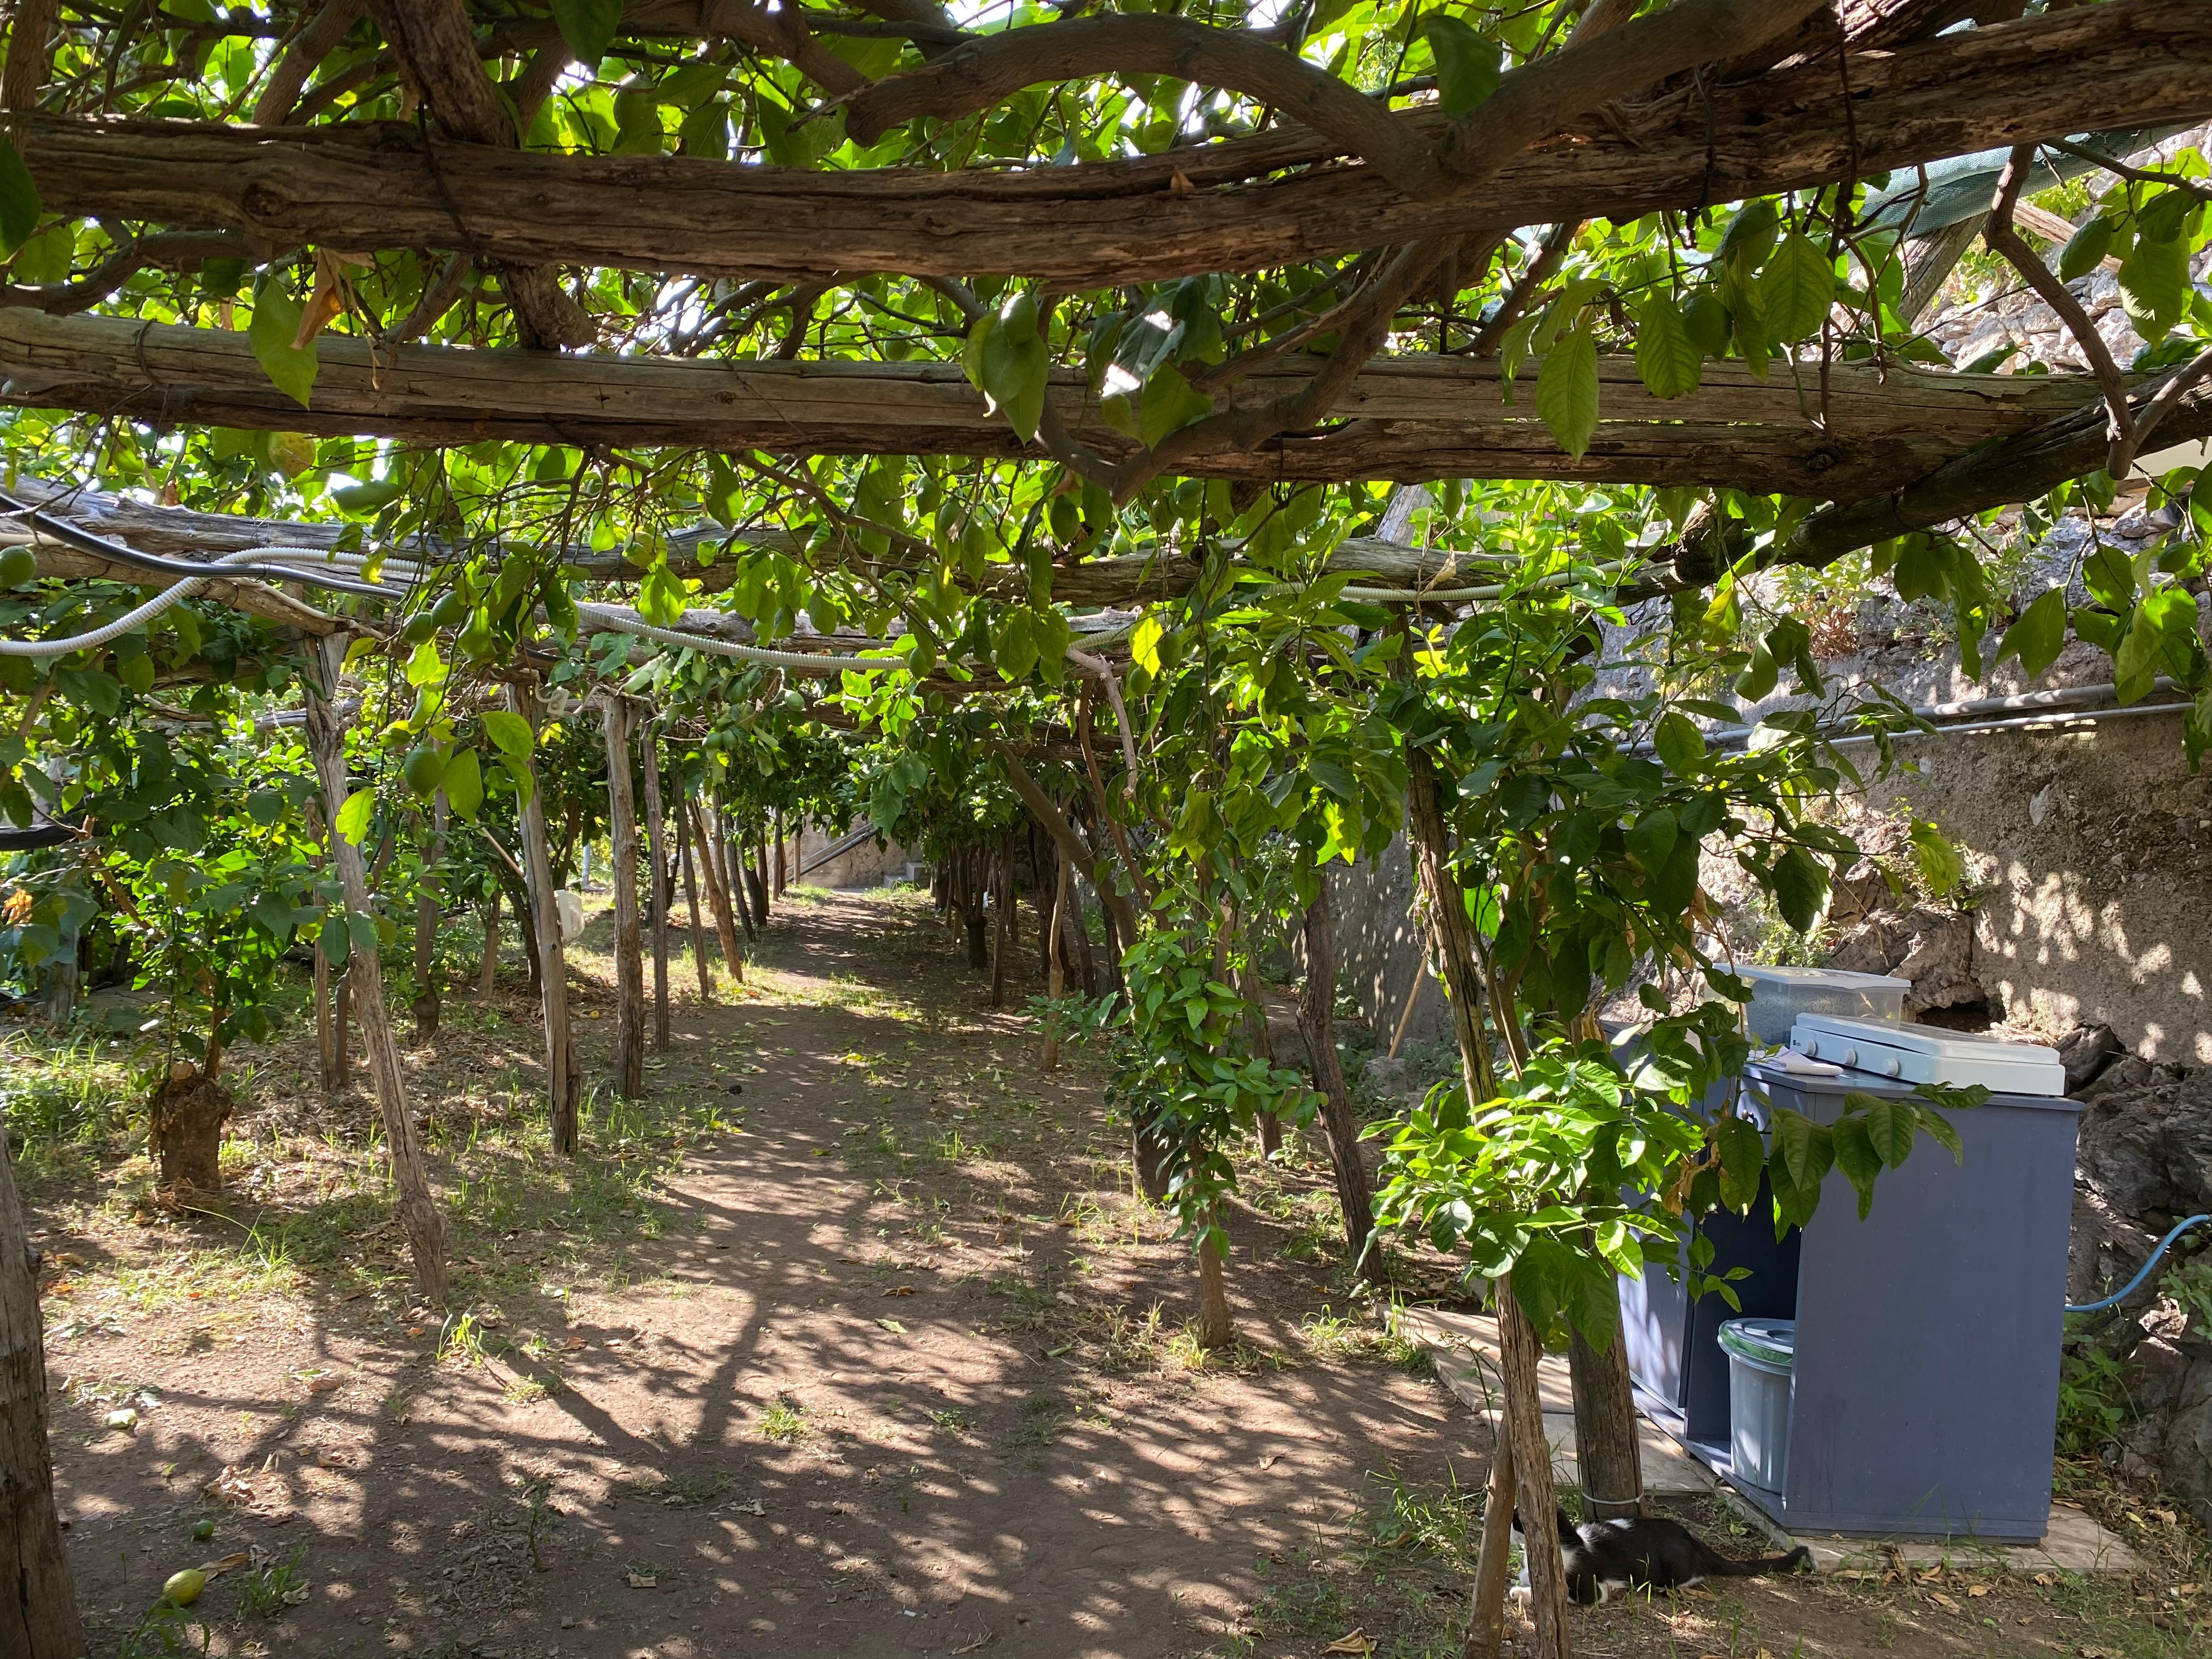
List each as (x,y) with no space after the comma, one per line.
(1276,199)
(1848,433)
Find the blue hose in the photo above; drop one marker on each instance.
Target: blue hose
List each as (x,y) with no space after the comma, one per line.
(2129,1289)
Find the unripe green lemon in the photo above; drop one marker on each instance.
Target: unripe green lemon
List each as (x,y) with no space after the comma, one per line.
(19,566)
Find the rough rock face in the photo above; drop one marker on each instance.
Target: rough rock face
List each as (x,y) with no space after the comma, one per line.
(2144,1162)
(1933,949)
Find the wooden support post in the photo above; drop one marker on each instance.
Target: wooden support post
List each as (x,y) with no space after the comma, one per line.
(38,1594)
(648,752)
(563,1086)
(342,1032)
(1485,1631)
(488,979)
(430,911)
(1056,975)
(691,899)
(1317,1024)
(629,964)
(420,1223)
(779,853)
(750,851)
(1519,1354)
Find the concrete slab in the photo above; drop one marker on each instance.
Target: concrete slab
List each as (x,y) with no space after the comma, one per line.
(1464,1350)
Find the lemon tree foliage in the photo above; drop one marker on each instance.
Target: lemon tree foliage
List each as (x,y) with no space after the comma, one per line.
(1197,670)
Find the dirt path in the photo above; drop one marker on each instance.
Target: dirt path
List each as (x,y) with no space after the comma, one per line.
(875,1356)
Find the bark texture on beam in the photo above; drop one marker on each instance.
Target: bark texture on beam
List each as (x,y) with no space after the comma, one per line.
(1412,417)
(1244,205)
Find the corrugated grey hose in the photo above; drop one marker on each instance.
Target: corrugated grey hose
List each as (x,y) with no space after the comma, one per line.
(165,600)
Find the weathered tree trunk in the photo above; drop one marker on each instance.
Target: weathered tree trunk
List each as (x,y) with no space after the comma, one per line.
(328,1042)
(1078,924)
(429,910)
(1519,1354)
(750,850)
(1056,975)
(630,965)
(730,866)
(1607,1449)
(1217,1326)
(38,1594)
(691,899)
(1485,1631)
(718,894)
(1003,866)
(973,917)
(423,1228)
(1317,1024)
(487,978)
(1446,907)
(779,854)
(563,1085)
(188,1111)
(649,749)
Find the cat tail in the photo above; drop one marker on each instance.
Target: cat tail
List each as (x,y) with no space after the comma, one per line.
(1762,1566)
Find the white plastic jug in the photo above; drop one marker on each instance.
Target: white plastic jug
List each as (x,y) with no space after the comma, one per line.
(570,907)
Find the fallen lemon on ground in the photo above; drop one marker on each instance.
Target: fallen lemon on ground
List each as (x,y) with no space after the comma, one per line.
(184,1588)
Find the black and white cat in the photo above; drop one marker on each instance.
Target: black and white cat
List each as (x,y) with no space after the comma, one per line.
(1646,1552)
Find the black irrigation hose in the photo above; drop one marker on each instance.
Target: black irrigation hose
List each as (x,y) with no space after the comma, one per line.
(100,547)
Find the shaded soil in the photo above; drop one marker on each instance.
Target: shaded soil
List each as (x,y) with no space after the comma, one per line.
(869,1350)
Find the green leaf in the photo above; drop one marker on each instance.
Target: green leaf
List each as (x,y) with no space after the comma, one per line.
(588,27)
(18,200)
(2110,576)
(1855,1156)
(464,783)
(1567,391)
(1807,1149)
(1801,888)
(1743,1160)
(353,817)
(2039,635)
(1680,743)
(1013,365)
(2135,665)
(1467,64)
(1940,1130)
(509,733)
(2154,286)
(336,940)
(275,322)
(2085,248)
(1170,403)
(1796,289)
(1670,362)
(1941,867)
(1889,1129)
(1759,676)
(1652,838)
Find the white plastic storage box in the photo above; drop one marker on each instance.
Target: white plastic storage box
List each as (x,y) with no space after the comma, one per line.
(1779,995)
(1930,1054)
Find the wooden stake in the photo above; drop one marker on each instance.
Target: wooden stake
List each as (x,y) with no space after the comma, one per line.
(488,979)
(779,853)
(38,1594)
(1486,1632)
(1519,1354)
(732,862)
(1005,870)
(648,750)
(629,966)
(1056,975)
(691,899)
(429,913)
(563,1086)
(423,1228)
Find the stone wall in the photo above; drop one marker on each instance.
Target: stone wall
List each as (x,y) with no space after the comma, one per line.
(872,863)
(1380,950)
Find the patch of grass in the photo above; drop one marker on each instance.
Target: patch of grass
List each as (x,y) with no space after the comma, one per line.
(952,1422)
(784,1421)
(461,1341)
(165,1632)
(70,1104)
(268,1592)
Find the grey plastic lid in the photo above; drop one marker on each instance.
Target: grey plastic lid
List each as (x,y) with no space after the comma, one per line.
(1768,1341)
